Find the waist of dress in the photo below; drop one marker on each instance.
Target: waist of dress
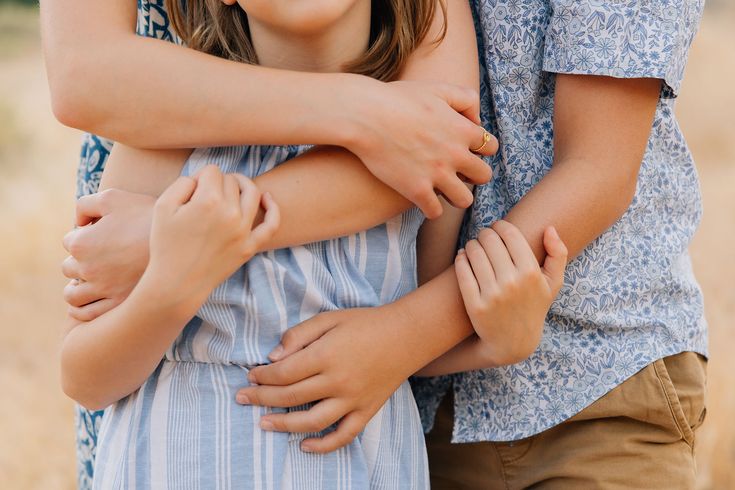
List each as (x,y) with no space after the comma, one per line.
(214,362)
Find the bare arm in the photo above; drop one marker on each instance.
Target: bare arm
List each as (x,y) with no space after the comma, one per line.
(601,130)
(149,93)
(326,189)
(601,127)
(322,193)
(201,233)
(133,86)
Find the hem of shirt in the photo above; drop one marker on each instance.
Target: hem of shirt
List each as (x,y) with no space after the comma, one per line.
(669,89)
(487,436)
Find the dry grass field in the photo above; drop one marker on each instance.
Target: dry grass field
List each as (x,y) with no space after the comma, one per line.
(37,168)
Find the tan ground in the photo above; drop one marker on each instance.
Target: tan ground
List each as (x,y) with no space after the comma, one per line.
(37,166)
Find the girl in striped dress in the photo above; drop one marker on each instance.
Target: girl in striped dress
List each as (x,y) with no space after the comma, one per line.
(174,423)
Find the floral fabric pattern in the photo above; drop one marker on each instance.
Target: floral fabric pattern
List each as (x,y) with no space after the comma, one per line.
(630,298)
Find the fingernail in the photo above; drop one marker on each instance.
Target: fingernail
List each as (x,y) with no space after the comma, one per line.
(267,425)
(460,251)
(306,448)
(276,353)
(242,399)
(554,233)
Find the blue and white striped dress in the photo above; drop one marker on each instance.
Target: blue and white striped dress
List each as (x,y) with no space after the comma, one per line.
(183,430)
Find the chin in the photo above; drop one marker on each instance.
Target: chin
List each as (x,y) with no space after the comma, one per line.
(300,17)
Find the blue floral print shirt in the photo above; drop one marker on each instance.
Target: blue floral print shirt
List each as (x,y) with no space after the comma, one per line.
(630,298)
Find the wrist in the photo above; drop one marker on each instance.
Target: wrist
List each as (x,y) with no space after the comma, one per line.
(167,299)
(354,111)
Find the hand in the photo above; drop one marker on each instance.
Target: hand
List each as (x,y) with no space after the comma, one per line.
(317,360)
(416,138)
(202,231)
(506,294)
(108,252)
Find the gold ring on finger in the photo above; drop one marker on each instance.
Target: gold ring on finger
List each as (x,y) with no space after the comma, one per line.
(485,138)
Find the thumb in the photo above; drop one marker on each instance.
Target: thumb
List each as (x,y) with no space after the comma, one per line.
(556,258)
(178,193)
(463,100)
(303,334)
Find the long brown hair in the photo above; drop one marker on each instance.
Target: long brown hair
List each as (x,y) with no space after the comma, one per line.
(397,27)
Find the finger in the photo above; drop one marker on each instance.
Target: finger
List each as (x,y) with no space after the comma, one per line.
(262,234)
(68,239)
(250,198)
(456,192)
(463,100)
(498,255)
(482,269)
(91,311)
(475,170)
(178,193)
(556,258)
(517,245)
(307,391)
(315,419)
(71,269)
(94,206)
(232,192)
(481,142)
(297,367)
(467,281)
(348,429)
(210,184)
(81,294)
(424,197)
(303,334)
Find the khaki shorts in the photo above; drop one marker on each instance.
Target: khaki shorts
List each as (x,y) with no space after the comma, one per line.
(641,435)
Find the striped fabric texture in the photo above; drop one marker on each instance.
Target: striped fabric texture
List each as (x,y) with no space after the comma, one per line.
(183,430)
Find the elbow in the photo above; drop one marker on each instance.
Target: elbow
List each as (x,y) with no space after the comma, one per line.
(77,100)
(79,387)
(70,98)
(80,393)
(624,190)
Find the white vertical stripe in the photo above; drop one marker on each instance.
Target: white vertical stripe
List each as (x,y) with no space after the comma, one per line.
(159,427)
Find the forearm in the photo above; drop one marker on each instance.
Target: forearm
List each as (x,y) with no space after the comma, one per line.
(468,355)
(132,87)
(323,194)
(327,193)
(428,321)
(439,312)
(108,358)
(580,198)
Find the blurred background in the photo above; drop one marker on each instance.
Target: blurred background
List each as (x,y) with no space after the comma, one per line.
(38,159)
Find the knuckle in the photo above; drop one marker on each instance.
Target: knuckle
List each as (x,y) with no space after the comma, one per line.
(486,234)
(288,337)
(68,294)
(423,192)
(255,398)
(481,308)
(75,245)
(510,286)
(291,398)
(209,203)
(108,195)
(314,425)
